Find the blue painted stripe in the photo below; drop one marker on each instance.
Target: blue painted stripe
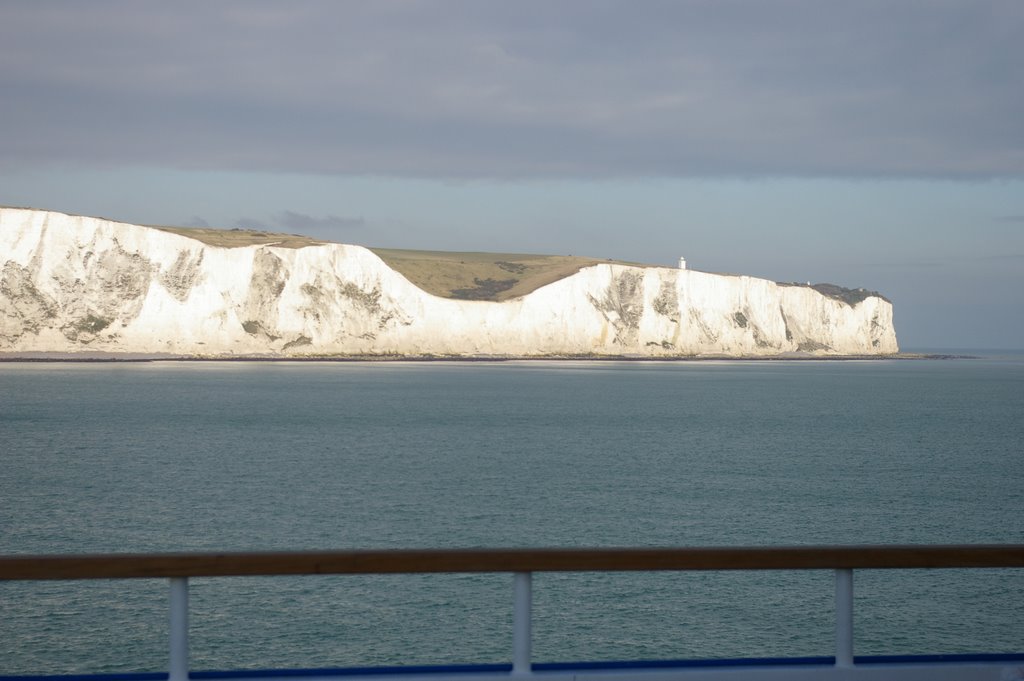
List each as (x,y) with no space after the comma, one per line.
(355,671)
(676,664)
(953,658)
(942,657)
(124,676)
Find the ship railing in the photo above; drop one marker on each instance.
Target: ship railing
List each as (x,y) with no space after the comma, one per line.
(523,563)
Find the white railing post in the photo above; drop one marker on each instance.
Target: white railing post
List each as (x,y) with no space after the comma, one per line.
(844,617)
(178,670)
(521,626)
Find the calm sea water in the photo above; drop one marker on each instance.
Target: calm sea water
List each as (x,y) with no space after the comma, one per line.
(261,456)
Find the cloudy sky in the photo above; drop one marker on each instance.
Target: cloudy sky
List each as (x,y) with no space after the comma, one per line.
(876,144)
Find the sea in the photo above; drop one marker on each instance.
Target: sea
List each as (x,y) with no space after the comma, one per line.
(238,456)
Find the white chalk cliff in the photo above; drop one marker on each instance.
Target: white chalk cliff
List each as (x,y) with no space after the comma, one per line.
(73,284)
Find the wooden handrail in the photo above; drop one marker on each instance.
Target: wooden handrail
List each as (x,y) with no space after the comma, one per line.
(124,566)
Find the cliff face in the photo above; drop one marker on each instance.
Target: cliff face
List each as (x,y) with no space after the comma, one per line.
(73,284)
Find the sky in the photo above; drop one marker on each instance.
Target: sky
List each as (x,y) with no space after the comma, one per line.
(875,144)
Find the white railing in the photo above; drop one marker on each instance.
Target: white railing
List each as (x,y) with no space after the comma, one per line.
(522,563)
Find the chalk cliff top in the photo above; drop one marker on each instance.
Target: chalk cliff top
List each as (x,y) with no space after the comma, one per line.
(462,275)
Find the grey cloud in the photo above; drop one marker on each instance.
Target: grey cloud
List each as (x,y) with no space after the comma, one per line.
(1010,218)
(290,221)
(1003,257)
(525,89)
(946,263)
(304,223)
(909,264)
(253,224)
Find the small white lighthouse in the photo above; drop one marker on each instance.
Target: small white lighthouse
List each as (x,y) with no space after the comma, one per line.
(682,263)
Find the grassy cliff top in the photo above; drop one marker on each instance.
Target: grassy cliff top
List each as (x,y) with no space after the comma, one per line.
(464,276)
(850,296)
(236,238)
(483,276)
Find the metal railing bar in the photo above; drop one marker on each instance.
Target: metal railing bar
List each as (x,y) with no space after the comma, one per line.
(844,618)
(522,596)
(178,669)
(128,566)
